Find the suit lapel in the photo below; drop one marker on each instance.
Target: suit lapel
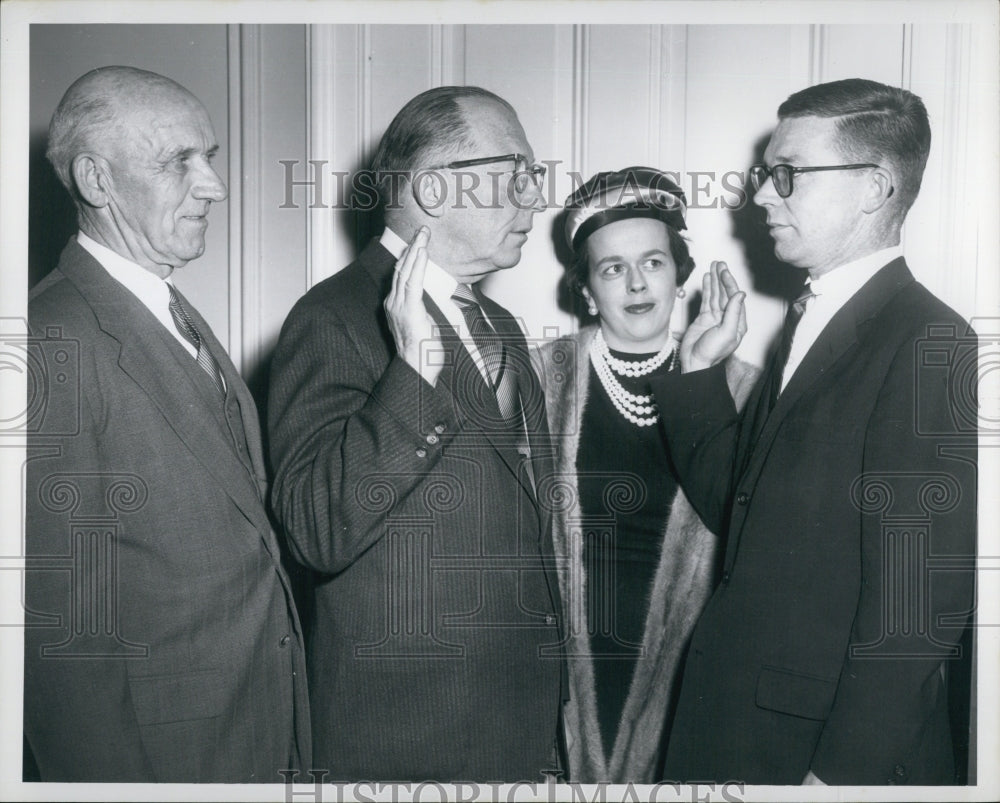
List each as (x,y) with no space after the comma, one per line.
(237,387)
(146,357)
(475,398)
(834,344)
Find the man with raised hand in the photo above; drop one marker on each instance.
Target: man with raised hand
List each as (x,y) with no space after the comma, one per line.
(408,436)
(823,655)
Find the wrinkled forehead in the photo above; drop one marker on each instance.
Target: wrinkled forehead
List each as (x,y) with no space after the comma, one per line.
(164,119)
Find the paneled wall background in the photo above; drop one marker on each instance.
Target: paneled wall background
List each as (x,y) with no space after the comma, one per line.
(301,103)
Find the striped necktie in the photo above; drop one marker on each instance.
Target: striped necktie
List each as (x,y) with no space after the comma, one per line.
(189,331)
(493,353)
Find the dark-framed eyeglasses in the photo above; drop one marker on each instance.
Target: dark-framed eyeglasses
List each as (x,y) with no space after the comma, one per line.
(525,173)
(781,175)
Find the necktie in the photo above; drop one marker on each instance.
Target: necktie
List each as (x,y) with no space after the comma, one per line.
(795,313)
(493,352)
(189,331)
(504,381)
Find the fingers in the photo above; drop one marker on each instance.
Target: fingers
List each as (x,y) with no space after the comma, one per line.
(729,285)
(414,292)
(734,322)
(706,288)
(404,265)
(714,303)
(403,275)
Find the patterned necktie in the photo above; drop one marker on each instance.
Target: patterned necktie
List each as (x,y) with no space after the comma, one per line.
(504,381)
(187,328)
(795,313)
(493,352)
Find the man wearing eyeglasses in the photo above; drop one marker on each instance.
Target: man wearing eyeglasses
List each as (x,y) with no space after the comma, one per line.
(845,492)
(407,434)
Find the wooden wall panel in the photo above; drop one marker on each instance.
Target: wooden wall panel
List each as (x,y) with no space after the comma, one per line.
(730,111)
(537,85)
(695,99)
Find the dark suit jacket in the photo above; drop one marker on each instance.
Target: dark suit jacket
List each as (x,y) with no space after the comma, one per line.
(162,642)
(850,515)
(428,656)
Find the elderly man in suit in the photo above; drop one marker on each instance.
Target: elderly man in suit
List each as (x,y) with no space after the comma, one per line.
(408,434)
(849,511)
(170,649)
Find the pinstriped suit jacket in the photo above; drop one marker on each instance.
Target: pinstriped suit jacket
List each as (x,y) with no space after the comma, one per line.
(434,652)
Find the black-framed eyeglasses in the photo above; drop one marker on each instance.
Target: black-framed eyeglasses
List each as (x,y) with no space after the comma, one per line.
(781,175)
(525,174)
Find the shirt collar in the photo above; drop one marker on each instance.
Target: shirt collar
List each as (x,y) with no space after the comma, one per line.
(438,283)
(844,281)
(141,282)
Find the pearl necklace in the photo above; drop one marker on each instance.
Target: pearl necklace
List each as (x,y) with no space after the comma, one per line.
(637,408)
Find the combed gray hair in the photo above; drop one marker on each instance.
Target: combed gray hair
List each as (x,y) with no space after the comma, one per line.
(89,111)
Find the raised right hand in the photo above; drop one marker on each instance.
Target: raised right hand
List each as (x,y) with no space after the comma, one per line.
(411,326)
(721,321)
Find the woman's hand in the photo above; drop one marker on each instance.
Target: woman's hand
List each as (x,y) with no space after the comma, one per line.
(721,321)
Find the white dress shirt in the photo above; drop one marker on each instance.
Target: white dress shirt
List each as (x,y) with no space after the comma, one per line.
(439,285)
(831,291)
(149,288)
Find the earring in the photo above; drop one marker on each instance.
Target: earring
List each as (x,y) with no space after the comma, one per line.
(591,307)
(681,292)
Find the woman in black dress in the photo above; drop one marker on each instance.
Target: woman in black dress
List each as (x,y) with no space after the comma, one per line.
(636,564)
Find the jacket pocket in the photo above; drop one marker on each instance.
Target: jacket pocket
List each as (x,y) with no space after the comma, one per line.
(795,693)
(159,699)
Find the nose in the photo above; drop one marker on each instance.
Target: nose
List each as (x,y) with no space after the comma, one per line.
(208,186)
(532,199)
(766,195)
(636,281)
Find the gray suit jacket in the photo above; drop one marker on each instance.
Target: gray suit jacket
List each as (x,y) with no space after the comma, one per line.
(162,641)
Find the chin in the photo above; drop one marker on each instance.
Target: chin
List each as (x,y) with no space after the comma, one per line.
(507,261)
(193,252)
(786,255)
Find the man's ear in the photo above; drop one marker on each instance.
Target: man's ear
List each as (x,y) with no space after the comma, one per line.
(880,190)
(430,192)
(90,176)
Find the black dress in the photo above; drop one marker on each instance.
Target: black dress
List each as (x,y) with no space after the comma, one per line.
(626,484)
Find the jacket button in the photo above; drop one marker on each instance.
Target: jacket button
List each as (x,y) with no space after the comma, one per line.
(283,641)
(725,577)
(432,439)
(439,428)
(899,771)
(421,452)
(742,498)
(550,620)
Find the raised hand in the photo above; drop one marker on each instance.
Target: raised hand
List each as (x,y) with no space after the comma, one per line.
(411,326)
(721,321)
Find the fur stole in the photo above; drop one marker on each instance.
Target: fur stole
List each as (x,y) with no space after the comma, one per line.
(682,584)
